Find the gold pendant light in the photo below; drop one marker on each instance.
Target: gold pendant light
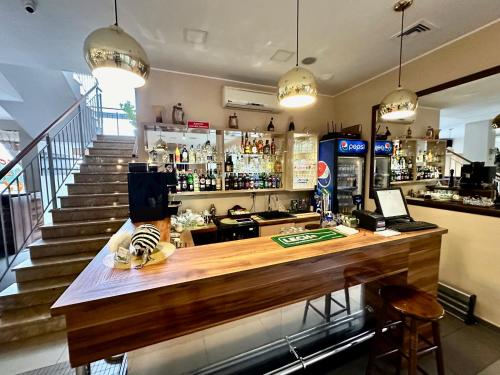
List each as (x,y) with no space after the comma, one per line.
(297,88)
(495,124)
(115,58)
(401,104)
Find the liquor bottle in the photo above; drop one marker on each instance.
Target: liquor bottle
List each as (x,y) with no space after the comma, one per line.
(178,186)
(192,155)
(190,181)
(184,186)
(254,147)
(248,149)
(234,181)
(196,181)
(278,182)
(270,127)
(242,150)
(218,181)
(241,183)
(184,155)
(267,148)
(269,182)
(213,182)
(252,182)
(278,168)
(260,146)
(246,181)
(273,147)
(177,154)
(202,182)
(227,182)
(228,165)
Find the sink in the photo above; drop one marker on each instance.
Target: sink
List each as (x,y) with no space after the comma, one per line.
(270,215)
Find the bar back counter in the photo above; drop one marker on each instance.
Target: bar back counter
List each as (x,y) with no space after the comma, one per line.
(112,311)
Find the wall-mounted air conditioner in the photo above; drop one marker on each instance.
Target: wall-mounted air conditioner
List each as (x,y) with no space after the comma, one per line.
(235,97)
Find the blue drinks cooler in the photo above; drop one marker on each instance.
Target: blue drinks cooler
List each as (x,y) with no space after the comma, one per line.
(382,165)
(341,173)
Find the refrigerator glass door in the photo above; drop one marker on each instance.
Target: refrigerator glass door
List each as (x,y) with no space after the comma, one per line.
(349,181)
(382,172)
(305,159)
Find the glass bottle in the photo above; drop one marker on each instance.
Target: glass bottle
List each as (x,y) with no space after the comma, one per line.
(267,148)
(202,182)
(260,146)
(248,149)
(196,181)
(177,154)
(273,147)
(254,147)
(270,127)
(190,181)
(184,155)
(192,155)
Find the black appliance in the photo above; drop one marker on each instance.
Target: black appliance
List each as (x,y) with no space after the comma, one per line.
(147,196)
(270,215)
(236,229)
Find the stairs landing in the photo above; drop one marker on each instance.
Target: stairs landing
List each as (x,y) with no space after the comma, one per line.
(96,207)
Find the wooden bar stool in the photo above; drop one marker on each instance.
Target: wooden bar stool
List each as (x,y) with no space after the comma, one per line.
(416,308)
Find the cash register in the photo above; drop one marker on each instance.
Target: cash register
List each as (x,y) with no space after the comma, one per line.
(391,204)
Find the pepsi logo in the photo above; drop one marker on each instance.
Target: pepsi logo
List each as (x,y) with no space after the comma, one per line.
(344,145)
(387,146)
(324,174)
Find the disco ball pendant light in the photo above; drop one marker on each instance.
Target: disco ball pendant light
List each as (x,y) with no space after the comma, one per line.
(115,58)
(495,124)
(401,104)
(297,88)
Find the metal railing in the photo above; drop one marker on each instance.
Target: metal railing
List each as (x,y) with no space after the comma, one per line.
(116,121)
(454,161)
(31,181)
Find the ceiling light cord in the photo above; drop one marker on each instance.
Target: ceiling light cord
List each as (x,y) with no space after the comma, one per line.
(401,46)
(297,37)
(116,14)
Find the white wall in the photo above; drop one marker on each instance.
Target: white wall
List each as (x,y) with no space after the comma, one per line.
(479,139)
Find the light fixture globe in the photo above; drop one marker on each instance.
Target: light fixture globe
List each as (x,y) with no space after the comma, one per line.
(114,57)
(297,88)
(495,124)
(399,105)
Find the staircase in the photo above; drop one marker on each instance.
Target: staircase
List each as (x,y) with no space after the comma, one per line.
(95,207)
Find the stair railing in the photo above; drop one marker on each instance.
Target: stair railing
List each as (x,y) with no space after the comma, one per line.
(29,183)
(455,161)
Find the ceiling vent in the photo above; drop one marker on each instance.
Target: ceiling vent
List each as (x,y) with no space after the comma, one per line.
(417,28)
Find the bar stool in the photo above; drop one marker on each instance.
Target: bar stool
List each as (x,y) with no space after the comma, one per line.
(417,308)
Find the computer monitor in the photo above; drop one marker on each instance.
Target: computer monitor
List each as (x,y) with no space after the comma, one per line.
(391,203)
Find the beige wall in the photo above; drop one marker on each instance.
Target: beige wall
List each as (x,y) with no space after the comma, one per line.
(201,99)
(470,250)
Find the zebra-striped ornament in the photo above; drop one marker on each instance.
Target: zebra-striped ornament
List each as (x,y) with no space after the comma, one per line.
(145,239)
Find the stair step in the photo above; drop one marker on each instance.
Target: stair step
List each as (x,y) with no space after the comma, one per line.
(108,159)
(29,322)
(67,245)
(97,187)
(114,145)
(93,200)
(36,269)
(64,215)
(81,228)
(100,177)
(109,151)
(110,138)
(103,167)
(31,293)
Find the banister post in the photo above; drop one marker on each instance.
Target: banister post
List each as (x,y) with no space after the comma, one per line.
(80,129)
(51,172)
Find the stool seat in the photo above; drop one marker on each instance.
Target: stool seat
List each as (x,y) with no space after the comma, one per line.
(412,302)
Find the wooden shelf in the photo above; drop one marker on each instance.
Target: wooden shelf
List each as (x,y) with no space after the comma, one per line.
(222,192)
(412,182)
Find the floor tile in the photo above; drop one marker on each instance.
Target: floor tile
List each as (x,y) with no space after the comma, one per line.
(449,324)
(493,369)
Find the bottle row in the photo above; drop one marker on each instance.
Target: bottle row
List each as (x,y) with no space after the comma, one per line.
(192,181)
(425,173)
(242,181)
(253,165)
(201,154)
(255,147)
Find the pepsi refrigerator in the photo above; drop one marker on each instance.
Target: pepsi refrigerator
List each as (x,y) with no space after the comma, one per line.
(341,174)
(382,165)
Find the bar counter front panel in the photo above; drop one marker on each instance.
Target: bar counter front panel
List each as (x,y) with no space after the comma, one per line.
(112,311)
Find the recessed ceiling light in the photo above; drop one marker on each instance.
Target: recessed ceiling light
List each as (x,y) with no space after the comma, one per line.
(195,36)
(326,76)
(282,55)
(309,60)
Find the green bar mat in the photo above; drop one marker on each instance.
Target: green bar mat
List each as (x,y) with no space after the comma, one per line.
(304,238)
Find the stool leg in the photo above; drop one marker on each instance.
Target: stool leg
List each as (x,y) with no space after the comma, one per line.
(439,351)
(306,309)
(347,300)
(399,359)
(412,357)
(377,338)
(328,306)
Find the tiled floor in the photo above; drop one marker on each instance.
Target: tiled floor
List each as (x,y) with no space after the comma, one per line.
(468,350)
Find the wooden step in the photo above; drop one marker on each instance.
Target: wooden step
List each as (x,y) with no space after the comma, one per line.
(97,187)
(31,293)
(93,200)
(100,177)
(64,215)
(29,322)
(121,138)
(109,151)
(82,228)
(103,167)
(67,245)
(114,145)
(36,269)
(107,159)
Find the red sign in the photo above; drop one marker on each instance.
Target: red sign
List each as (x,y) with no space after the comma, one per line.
(198,125)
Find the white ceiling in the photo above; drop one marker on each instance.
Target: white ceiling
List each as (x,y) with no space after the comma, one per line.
(351,39)
(474,101)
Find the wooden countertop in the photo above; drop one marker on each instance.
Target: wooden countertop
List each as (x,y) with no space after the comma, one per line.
(297,218)
(454,206)
(98,283)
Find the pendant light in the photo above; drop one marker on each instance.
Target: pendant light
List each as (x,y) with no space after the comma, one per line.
(401,104)
(297,88)
(115,58)
(495,124)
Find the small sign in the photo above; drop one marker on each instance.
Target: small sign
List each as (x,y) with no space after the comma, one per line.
(305,238)
(352,146)
(198,125)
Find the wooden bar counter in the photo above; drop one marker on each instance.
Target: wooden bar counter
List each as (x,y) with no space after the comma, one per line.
(111,311)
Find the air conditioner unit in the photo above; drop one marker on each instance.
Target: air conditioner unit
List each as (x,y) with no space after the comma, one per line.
(234,97)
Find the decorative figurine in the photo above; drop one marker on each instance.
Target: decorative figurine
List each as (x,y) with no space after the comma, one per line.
(291,126)
(233,121)
(270,127)
(178,114)
(387,132)
(429,134)
(408,132)
(144,241)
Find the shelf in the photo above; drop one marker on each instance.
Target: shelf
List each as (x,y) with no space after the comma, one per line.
(220,192)
(413,181)
(208,162)
(250,155)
